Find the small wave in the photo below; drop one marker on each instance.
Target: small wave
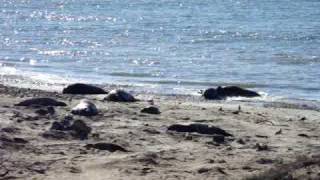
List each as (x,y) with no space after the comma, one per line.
(204,83)
(19,78)
(223,36)
(52,52)
(6,70)
(289,59)
(125,74)
(294,104)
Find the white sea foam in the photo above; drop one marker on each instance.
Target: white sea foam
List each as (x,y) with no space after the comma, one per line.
(52,52)
(14,77)
(264,96)
(33,62)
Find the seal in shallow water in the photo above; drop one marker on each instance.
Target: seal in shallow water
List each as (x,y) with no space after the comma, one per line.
(229,91)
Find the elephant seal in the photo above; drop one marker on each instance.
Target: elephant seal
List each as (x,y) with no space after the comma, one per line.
(41,102)
(79,88)
(119,95)
(229,91)
(85,108)
(106,146)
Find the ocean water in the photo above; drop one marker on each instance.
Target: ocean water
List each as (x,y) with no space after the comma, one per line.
(163,46)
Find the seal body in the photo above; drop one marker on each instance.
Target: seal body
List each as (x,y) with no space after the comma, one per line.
(119,95)
(79,88)
(41,102)
(85,108)
(222,93)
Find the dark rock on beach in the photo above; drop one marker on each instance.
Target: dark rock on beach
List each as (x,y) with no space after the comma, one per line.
(79,88)
(9,139)
(230,91)
(56,134)
(262,147)
(106,146)
(63,125)
(85,108)
(41,102)
(57,126)
(81,129)
(199,128)
(63,129)
(151,110)
(119,95)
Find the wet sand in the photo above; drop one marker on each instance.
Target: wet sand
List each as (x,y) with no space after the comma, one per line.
(263,138)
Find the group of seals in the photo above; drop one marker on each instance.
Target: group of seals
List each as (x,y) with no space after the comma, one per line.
(79,129)
(87,108)
(120,95)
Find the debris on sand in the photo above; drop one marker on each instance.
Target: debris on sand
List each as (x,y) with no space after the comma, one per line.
(262,147)
(106,146)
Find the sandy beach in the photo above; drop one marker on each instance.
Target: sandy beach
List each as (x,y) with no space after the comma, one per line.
(266,142)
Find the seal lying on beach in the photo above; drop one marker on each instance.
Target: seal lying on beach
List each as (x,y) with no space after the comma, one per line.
(229,91)
(41,102)
(198,128)
(79,88)
(85,108)
(119,95)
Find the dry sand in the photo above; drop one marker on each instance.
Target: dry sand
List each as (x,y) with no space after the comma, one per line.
(282,135)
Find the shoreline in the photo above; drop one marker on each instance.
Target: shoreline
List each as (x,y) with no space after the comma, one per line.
(263,101)
(263,138)
(42,83)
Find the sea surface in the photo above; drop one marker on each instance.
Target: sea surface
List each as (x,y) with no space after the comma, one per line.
(163,46)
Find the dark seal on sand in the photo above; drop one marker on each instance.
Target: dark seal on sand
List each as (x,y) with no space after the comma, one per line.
(119,95)
(106,146)
(230,91)
(79,88)
(199,128)
(151,110)
(41,102)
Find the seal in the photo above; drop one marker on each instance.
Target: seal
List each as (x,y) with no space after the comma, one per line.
(119,95)
(79,88)
(222,93)
(41,102)
(85,108)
